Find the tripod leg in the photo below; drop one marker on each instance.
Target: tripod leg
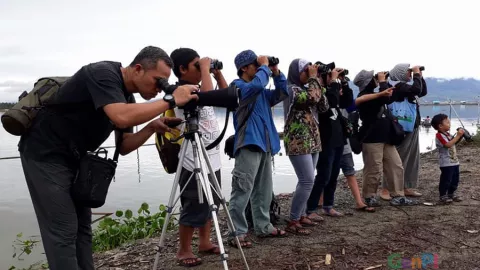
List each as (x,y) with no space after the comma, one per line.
(171,202)
(224,204)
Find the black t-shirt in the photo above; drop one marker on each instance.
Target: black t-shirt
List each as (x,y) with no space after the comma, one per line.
(81,123)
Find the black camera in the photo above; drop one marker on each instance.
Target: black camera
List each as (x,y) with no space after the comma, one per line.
(422,68)
(223,98)
(325,68)
(466,135)
(273,61)
(344,72)
(214,64)
(387,74)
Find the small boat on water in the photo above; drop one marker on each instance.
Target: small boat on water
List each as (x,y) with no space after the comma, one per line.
(427,122)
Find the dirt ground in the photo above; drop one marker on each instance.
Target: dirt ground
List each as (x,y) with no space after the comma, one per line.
(356,241)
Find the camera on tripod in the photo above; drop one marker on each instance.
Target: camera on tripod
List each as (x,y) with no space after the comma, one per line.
(214,64)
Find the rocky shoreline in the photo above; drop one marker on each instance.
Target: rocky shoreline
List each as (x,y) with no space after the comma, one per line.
(356,241)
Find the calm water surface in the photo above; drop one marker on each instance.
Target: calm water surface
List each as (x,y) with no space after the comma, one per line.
(141,178)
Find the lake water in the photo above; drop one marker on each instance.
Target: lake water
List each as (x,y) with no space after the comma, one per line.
(140,178)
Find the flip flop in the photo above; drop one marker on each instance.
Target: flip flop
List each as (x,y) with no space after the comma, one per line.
(272,235)
(366,209)
(328,212)
(243,243)
(316,218)
(215,250)
(307,224)
(189,262)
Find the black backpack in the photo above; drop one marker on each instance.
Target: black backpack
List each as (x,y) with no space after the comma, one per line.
(274,213)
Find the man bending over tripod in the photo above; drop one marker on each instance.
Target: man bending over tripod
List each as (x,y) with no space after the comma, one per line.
(98,99)
(256,141)
(190,69)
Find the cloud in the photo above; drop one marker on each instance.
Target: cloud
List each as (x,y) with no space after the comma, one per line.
(10,90)
(354,34)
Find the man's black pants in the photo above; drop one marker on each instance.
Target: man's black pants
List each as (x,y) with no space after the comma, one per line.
(65,227)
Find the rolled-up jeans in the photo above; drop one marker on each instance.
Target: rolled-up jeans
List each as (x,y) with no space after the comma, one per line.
(304,166)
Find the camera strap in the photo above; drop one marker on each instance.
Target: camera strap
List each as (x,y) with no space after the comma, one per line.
(241,106)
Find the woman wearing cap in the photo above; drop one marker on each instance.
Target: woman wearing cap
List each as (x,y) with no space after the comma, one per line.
(409,149)
(379,154)
(302,136)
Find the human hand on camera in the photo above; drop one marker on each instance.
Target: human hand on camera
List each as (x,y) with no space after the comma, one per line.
(335,72)
(183,94)
(275,70)
(164,124)
(205,63)
(312,71)
(262,60)
(382,76)
(217,73)
(416,69)
(387,92)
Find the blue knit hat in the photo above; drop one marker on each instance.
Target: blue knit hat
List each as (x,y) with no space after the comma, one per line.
(245,58)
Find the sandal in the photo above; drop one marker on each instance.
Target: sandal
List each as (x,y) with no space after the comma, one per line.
(296,227)
(331,212)
(189,262)
(306,222)
(275,233)
(243,243)
(366,209)
(315,217)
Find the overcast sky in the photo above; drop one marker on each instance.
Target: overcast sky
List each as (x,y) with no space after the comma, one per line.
(57,37)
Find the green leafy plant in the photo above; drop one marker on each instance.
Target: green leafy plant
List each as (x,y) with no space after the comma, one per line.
(25,247)
(113,232)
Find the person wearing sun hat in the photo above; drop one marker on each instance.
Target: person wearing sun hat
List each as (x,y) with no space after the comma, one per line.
(256,141)
(409,150)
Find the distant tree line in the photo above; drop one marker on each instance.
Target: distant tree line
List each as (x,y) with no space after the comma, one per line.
(6,105)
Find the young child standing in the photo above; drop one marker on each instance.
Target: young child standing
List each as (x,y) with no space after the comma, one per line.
(448,160)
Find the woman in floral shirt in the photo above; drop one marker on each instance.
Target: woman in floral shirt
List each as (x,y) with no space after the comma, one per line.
(302,136)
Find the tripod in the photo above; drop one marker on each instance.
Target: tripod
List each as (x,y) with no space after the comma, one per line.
(192,136)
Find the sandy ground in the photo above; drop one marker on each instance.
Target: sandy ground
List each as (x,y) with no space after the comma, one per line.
(356,241)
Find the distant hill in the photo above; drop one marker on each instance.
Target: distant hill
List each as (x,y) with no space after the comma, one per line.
(463,89)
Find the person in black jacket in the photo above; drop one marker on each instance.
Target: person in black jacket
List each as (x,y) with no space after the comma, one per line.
(409,150)
(379,154)
(333,139)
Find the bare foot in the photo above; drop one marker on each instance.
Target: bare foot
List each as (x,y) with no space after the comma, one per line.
(315,217)
(385,195)
(209,248)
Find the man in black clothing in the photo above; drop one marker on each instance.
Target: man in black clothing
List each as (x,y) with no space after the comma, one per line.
(333,139)
(97,99)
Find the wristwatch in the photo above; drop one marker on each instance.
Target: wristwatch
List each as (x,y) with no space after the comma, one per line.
(171,100)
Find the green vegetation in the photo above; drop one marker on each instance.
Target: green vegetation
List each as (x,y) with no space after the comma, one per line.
(110,233)
(125,228)
(6,105)
(25,247)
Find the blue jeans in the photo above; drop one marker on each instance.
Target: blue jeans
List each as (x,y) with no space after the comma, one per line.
(304,166)
(449,179)
(328,169)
